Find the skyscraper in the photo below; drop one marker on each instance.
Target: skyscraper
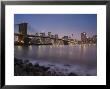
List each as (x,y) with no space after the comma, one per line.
(49,34)
(83,37)
(56,36)
(65,37)
(42,34)
(94,39)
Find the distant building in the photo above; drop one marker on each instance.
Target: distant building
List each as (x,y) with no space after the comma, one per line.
(69,37)
(56,36)
(49,34)
(65,37)
(52,36)
(42,34)
(94,38)
(37,34)
(15,38)
(83,37)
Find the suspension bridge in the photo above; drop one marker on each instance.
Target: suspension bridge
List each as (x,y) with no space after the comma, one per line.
(22,38)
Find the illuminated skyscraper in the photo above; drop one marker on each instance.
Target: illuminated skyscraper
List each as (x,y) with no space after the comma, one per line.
(83,37)
(37,34)
(42,34)
(65,37)
(56,36)
(52,36)
(94,38)
(49,34)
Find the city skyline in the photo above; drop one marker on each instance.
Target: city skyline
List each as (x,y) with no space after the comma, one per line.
(61,24)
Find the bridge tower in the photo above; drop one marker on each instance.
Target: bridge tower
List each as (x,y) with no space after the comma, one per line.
(23,28)
(23,31)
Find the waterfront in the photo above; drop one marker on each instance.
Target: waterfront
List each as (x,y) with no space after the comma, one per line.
(61,44)
(84,56)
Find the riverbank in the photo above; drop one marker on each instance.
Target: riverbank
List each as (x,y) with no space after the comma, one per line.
(26,68)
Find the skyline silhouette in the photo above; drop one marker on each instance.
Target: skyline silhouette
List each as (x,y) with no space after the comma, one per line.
(61,24)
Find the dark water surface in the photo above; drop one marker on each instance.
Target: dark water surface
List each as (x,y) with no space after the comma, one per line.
(77,54)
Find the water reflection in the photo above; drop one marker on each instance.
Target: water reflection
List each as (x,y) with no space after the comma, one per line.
(81,54)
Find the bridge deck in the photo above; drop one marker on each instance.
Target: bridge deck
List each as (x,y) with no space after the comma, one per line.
(17,34)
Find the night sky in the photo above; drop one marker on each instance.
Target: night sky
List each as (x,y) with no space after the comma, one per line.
(61,24)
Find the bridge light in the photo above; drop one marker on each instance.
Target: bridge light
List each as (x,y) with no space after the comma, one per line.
(22,41)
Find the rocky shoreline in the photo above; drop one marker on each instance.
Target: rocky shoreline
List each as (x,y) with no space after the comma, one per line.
(26,68)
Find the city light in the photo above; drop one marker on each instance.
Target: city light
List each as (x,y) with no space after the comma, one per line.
(50,39)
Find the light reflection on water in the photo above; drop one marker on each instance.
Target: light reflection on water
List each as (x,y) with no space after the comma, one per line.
(79,54)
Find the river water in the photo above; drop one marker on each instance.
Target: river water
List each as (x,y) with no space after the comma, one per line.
(83,55)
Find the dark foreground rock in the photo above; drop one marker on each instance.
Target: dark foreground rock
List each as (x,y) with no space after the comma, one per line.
(25,68)
(72,74)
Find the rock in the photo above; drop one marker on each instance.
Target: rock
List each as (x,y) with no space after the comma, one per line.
(30,64)
(88,75)
(26,61)
(45,68)
(72,74)
(18,61)
(25,68)
(36,65)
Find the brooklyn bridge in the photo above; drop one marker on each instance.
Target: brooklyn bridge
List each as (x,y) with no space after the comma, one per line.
(22,38)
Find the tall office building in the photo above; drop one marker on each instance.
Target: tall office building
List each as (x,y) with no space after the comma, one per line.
(65,37)
(42,34)
(56,36)
(83,37)
(37,34)
(94,39)
(52,36)
(49,34)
